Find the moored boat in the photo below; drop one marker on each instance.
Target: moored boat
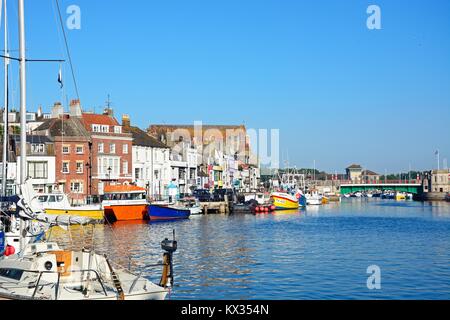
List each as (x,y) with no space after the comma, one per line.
(314,198)
(285,201)
(58,204)
(124,202)
(45,272)
(166,213)
(399,196)
(191,204)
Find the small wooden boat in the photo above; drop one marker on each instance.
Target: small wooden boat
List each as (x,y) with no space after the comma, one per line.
(166,213)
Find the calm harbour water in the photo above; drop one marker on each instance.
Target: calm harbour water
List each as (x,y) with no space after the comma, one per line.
(318,253)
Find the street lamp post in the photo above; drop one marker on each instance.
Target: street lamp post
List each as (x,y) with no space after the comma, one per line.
(109,174)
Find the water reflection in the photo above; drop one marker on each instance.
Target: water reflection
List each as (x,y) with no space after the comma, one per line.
(318,253)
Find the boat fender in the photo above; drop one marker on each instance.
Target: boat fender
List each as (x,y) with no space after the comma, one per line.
(10,250)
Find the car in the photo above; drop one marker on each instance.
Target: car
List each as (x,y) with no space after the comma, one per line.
(203,195)
(219,194)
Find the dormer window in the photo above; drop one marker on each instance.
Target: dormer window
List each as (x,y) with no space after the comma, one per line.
(37,148)
(96,128)
(105,129)
(117,129)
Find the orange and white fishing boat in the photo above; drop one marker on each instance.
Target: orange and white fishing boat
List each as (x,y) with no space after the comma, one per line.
(124,203)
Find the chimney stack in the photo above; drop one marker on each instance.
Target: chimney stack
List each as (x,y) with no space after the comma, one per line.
(75,108)
(126,123)
(57,110)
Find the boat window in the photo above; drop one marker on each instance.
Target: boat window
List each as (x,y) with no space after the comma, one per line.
(59,198)
(42,198)
(137,196)
(11,273)
(52,199)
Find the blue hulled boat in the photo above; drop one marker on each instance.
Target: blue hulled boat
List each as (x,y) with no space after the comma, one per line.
(166,213)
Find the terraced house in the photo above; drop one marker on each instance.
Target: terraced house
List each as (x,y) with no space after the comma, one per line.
(150,158)
(91,151)
(72,152)
(111,150)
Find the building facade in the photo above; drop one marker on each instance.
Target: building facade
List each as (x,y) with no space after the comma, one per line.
(150,161)
(41,163)
(354,173)
(111,150)
(437,181)
(73,150)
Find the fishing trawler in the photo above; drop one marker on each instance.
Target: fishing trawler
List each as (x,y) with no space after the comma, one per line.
(124,203)
(167,213)
(285,201)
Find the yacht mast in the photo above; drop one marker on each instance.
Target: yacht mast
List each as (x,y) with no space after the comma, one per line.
(23,96)
(5,110)
(23,109)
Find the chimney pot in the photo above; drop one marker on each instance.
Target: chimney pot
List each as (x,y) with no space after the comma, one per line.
(75,108)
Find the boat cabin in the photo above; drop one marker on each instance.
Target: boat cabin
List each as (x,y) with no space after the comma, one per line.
(124,192)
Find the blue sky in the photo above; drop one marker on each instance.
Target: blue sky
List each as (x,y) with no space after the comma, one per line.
(338,92)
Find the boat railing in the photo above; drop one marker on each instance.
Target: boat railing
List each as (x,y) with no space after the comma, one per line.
(57,286)
(135,281)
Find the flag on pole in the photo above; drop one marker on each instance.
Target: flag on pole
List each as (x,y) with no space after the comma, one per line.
(60,77)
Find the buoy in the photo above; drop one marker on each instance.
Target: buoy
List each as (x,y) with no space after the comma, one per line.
(272,208)
(266,209)
(257,209)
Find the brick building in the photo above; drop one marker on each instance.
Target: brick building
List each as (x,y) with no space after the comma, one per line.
(207,139)
(72,153)
(91,151)
(111,150)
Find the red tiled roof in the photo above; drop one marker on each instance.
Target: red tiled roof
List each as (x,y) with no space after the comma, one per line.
(89,119)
